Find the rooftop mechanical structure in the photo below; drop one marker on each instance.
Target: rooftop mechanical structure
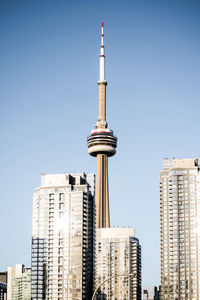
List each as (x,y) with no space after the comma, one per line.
(102,144)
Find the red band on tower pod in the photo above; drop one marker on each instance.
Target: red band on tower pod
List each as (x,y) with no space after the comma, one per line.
(102,55)
(102,23)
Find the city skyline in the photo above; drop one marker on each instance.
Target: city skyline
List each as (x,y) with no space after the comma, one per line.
(48,61)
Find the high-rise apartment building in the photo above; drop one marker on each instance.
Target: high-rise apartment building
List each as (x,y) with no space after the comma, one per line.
(102,144)
(62,237)
(180,229)
(118,254)
(19,283)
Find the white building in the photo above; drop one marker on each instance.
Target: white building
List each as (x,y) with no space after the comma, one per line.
(180,229)
(62,237)
(118,253)
(19,283)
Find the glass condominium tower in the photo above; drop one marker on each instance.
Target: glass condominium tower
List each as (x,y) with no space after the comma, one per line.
(63,236)
(180,229)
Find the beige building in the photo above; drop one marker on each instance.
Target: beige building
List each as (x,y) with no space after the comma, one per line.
(19,283)
(118,253)
(180,229)
(13,271)
(63,233)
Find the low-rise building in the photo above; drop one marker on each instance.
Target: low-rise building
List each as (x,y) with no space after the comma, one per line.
(19,283)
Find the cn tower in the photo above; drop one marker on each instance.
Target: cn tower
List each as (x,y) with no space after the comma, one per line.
(102,144)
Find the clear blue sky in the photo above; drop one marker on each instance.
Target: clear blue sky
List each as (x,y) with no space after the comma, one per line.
(49,66)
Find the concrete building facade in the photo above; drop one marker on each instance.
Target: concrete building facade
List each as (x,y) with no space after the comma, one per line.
(118,253)
(63,233)
(180,229)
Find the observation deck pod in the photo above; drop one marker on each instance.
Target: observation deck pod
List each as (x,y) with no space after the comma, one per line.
(102,141)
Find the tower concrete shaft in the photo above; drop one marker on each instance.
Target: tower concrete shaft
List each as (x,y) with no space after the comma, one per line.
(102,144)
(102,200)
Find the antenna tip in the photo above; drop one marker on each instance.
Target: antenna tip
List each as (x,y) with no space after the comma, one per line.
(102,23)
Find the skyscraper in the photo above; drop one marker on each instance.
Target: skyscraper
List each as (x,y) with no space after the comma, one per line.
(180,229)
(102,144)
(118,253)
(62,237)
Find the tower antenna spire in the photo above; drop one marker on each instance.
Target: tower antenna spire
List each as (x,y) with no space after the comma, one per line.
(102,57)
(102,33)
